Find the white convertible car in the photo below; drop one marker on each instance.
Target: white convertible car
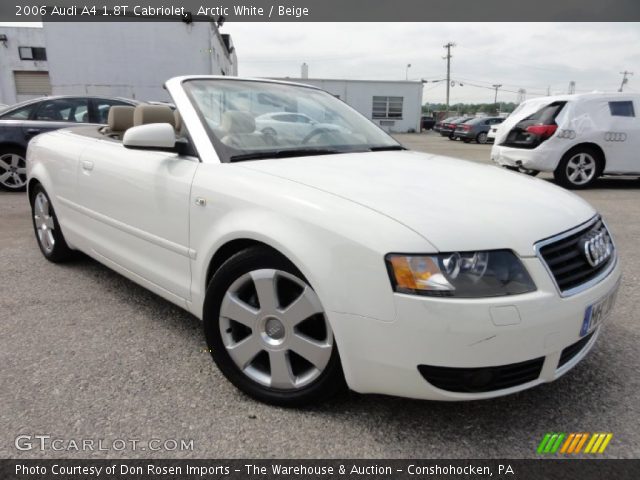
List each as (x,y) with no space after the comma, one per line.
(339,258)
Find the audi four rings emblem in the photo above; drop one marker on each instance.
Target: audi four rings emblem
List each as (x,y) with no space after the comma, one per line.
(596,247)
(615,136)
(568,134)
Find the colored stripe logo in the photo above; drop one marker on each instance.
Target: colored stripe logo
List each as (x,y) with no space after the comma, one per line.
(574,443)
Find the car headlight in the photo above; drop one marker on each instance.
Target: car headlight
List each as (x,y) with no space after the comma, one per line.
(460,274)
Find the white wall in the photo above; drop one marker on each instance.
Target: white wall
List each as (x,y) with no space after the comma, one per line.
(10,60)
(359,94)
(131,59)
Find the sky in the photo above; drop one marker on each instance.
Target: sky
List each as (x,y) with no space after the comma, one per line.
(537,57)
(534,56)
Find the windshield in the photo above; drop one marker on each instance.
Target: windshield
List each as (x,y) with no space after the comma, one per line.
(249,120)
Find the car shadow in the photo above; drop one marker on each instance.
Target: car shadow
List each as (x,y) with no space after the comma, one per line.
(609,183)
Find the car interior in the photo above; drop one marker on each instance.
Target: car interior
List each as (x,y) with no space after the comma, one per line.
(121,118)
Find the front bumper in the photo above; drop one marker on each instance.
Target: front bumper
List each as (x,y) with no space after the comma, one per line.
(383,357)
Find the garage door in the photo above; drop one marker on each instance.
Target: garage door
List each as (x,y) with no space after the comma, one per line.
(32,83)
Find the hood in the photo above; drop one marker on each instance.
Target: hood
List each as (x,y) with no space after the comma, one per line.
(455,204)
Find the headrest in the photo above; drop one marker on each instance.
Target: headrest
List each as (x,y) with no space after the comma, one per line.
(235,121)
(177,120)
(120,118)
(145,114)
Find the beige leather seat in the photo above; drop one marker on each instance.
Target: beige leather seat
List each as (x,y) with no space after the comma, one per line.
(145,114)
(119,119)
(240,130)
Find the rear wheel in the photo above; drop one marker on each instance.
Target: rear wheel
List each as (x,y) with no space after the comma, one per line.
(47,229)
(481,137)
(13,169)
(267,330)
(579,168)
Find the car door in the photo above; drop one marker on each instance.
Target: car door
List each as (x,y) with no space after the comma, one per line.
(136,203)
(54,114)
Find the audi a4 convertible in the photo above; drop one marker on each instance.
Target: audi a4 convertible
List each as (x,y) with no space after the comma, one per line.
(336,258)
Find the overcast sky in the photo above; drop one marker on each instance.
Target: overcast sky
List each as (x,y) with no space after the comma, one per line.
(533,56)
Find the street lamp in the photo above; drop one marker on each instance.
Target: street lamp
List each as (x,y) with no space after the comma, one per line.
(406,72)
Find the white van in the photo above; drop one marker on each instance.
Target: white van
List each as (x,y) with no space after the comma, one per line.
(577,137)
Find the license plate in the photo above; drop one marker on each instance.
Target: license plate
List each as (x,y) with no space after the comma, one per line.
(598,312)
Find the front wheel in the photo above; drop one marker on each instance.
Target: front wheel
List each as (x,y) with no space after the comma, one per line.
(47,229)
(267,330)
(579,168)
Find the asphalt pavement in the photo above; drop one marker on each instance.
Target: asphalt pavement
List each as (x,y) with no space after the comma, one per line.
(86,354)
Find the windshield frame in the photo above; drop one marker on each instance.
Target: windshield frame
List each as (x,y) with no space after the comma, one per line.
(223,151)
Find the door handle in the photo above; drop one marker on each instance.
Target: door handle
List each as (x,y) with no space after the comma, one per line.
(33,131)
(87,165)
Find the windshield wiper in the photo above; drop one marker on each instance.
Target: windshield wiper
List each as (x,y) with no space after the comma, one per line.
(386,147)
(299,152)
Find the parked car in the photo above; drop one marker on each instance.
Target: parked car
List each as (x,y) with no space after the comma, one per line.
(491,136)
(448,128)
(21,122)
(476,129)
(291,125)
(427,123)
(438,125)
(577,137)
(436,278)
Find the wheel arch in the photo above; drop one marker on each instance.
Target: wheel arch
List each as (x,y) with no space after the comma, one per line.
(592,145)
(11,144)
(229,249)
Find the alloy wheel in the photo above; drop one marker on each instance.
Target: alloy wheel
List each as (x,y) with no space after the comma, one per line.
(274,329)
(581,168)
(13,171)
(44,223)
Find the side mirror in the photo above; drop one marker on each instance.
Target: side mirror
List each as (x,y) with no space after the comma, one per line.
(154,136)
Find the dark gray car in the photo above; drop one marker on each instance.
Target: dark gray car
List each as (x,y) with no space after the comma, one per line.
(20,123)
(476,129)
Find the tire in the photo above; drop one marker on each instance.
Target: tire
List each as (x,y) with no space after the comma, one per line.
(579,168)
(13,169)
(481,138)
(47,229)
(261,336)
(452,137)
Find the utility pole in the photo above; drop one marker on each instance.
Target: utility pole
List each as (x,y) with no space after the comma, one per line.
(624,74)
(495,99)
(448,46)
(522,95)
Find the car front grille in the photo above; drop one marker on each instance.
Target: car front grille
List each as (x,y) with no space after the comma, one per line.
(578,257)
(483,379)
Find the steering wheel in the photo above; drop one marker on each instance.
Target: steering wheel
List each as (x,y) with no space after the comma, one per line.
(314,133)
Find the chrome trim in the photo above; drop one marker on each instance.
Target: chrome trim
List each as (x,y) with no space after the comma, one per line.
(598,278)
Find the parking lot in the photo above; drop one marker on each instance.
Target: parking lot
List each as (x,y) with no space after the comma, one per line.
(87,354)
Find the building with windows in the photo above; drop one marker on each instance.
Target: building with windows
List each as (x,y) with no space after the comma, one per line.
(394,105)
(122,59)
(23,64)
